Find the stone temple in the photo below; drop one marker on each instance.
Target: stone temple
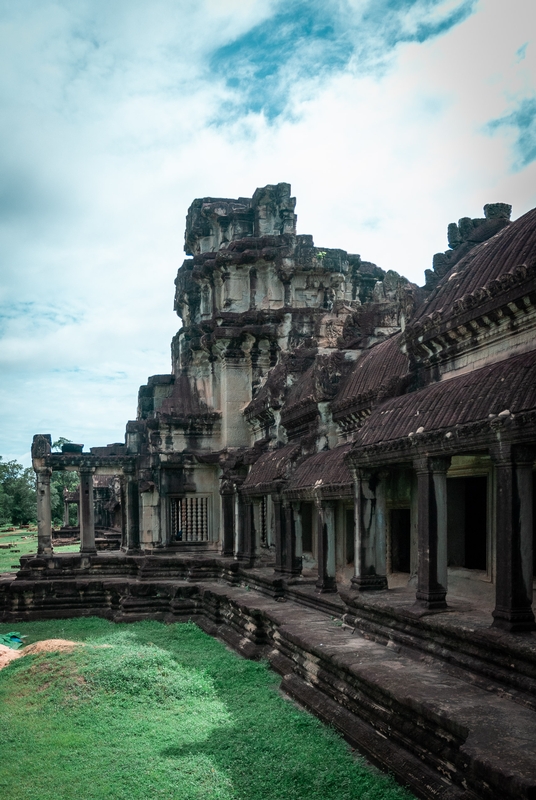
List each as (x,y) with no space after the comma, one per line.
(337,475)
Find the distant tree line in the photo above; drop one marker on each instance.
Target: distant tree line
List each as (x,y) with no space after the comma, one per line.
(18,498)
(18,502)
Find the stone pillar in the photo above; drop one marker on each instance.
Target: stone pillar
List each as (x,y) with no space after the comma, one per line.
(296,508)
(513,510)
(44,514)
(87,511)
(66,513)
(432,531)
(370,531)
(280,531)
(291,561)
(326,546)
(132,515)
(228,511)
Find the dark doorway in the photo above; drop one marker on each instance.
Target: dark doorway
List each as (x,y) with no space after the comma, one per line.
(467,522)
(350,526)
(307,527)
(534,524)
(400,539)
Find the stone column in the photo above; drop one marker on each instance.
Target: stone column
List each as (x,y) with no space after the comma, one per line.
(44,514)
(87,511)
(432,531)
(326,546)
(66,513)
(291,561)
(370,531)
(280,532)
(132,515)
(296,508)
(513,603)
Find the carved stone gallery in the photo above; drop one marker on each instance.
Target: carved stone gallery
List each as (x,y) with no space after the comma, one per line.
(337,475)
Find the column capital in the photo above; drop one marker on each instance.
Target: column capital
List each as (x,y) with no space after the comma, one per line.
(426,464)
(506,454)
(86,470)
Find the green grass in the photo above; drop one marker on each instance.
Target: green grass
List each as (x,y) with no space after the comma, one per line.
(24,542)
(164,712)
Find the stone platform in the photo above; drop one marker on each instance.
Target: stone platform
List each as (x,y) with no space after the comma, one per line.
(440,699)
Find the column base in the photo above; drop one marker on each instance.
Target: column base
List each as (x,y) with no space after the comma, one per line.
(431,600)
(325,585)
(292,572)
(88,551)
(368,583)
(513,620)
(247,562)
(45,551)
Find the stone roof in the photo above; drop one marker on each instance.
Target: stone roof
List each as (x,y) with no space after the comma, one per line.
(503,388)
(474,276)
(270,468)
(323,471)
(378,372)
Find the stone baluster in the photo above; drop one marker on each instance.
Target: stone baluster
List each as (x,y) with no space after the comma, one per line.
(432,531)
(513,513)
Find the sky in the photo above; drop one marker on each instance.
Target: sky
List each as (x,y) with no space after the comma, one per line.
(390,118)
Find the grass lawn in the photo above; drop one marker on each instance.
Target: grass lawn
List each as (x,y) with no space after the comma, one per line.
(163,711)
(23,541)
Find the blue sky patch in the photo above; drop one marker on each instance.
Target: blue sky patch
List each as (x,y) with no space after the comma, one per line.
(523,119)
(311,39)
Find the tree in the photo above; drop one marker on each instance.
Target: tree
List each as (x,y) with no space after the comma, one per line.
(62,480)
(18,499)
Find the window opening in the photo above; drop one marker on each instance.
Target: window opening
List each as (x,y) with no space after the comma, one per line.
(189,519)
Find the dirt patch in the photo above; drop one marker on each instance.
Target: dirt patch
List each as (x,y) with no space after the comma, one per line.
(46,646)
(50,646)
(7,655)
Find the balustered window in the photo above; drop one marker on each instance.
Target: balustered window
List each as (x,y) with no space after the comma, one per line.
(189,518)
(263,521)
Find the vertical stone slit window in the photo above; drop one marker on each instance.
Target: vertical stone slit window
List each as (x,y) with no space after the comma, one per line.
(189,518)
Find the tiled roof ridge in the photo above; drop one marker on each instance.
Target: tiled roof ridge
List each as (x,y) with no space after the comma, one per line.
(387,384)
(496,286)
(490,396)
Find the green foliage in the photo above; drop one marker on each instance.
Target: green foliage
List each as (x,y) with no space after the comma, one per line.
(60,482)
(163,711)
(18,502)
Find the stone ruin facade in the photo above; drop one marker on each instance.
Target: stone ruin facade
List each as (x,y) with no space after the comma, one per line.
(319,408)
(330,433)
